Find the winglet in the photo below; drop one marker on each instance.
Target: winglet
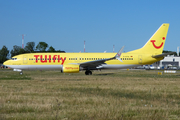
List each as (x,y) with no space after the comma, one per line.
(118,55)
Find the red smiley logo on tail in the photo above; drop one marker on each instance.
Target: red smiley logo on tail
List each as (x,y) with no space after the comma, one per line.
(157,47)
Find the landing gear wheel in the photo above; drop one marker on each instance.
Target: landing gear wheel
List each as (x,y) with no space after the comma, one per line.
(21,73)
(88,72)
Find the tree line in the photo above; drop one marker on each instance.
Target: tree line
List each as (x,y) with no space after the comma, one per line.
(29,48)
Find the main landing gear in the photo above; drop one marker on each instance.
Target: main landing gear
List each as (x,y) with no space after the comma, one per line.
(88,72)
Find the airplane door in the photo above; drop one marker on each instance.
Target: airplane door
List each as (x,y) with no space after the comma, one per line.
(140,59)
(25,59)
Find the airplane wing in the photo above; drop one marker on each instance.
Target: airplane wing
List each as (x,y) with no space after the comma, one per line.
(96,63)
(163,54)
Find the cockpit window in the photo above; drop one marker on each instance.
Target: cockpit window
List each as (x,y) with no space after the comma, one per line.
(14,58)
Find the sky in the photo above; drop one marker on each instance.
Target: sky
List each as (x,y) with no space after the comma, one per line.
(66,24)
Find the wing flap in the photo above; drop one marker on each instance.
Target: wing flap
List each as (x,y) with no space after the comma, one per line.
(93,63)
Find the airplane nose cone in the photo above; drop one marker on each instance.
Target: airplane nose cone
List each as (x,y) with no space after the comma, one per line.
(6,63)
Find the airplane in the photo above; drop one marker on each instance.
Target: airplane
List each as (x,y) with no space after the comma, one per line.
(74,62)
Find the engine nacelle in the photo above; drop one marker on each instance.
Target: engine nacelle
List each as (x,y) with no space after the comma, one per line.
(70,68)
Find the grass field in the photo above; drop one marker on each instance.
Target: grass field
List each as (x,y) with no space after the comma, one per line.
(106,95)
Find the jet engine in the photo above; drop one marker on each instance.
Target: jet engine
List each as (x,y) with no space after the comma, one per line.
(70,68)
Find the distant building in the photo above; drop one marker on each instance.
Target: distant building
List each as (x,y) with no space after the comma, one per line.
(170,62)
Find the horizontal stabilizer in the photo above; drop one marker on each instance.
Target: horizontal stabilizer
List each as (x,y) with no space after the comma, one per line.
(164,54)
